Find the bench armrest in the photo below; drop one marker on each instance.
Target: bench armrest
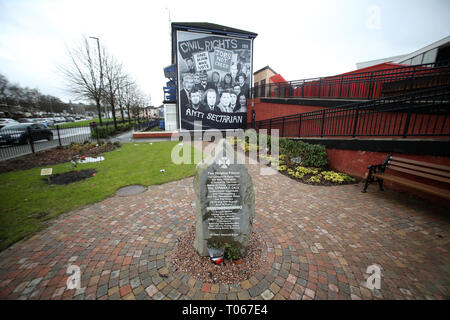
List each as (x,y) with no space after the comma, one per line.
(375,168)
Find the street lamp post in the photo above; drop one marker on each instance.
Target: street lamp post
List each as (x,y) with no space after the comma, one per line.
(101,73)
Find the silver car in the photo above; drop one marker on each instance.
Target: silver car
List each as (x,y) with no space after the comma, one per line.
(7,122)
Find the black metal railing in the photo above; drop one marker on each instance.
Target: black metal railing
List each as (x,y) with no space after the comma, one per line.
(19,140)
(363,85)
(423,113)
(22,139)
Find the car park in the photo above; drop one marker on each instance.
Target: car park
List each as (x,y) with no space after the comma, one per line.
(22,133)
(37,120)
(49,121)
(44,121)
(25,120)
(7,121)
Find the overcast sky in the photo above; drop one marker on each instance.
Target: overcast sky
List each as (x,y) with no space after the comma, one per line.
(298,39)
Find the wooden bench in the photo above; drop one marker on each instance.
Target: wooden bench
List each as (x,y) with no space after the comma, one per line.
(422,169)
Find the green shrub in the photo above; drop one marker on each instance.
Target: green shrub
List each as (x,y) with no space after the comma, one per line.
(313,155)
(106,131)
(232,251)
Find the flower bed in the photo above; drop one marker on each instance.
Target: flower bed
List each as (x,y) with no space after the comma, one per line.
(56,155)
(301,161)
(309,175)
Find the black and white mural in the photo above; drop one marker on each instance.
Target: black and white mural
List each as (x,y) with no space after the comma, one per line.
(214,78)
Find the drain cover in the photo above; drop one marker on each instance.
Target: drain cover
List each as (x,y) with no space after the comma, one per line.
(130,190)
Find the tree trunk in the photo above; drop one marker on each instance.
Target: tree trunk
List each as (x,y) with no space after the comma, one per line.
(113,109)
(121,112)
(99,110)
(129,115)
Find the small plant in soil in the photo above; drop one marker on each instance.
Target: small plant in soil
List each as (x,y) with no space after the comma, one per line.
(232,252)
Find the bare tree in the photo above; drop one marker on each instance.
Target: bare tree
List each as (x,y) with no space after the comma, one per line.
(130,95)
(121,93)
(83,74)
(113,74)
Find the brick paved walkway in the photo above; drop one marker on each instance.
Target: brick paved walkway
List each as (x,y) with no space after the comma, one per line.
(319,242)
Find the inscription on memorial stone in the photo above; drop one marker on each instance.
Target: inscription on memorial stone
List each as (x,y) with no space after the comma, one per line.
(224,203)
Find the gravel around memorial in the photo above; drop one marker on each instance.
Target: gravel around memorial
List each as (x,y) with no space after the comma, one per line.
(186,259)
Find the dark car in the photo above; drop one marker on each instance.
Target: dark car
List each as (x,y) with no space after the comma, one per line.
(25,120)
(20,134)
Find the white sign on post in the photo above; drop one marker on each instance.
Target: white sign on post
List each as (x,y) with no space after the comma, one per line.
(46,171)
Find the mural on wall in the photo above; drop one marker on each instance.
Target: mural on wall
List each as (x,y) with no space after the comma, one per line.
(214,76)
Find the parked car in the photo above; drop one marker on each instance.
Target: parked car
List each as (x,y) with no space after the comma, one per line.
(7,121)
(25,120)
(37,120)
(20,134)
(69,119)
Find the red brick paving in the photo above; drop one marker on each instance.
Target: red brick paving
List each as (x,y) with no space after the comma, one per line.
(319,242)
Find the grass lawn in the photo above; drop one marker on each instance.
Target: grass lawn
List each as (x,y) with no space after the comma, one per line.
(82,123)
(87,123)
(28,202)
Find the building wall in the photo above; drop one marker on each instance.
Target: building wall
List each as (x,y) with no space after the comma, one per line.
(272,110)
(265,74)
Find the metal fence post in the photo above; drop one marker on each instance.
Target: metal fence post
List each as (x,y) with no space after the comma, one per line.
(320,85)
(59,136)
(30,139)
(323,122)
(299,125)
(411,85)
(408,119)
(96,132)
(355,123)
(370,85)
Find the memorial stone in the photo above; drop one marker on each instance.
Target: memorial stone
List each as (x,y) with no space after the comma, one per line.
(225,202)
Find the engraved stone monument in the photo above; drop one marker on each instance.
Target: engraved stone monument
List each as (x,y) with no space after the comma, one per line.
(225,202)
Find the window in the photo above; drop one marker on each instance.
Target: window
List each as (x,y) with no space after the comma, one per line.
(430,56)
(263,87)
(408,62)
(416,60)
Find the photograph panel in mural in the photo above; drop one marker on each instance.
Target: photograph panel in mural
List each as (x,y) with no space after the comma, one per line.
(214,74)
